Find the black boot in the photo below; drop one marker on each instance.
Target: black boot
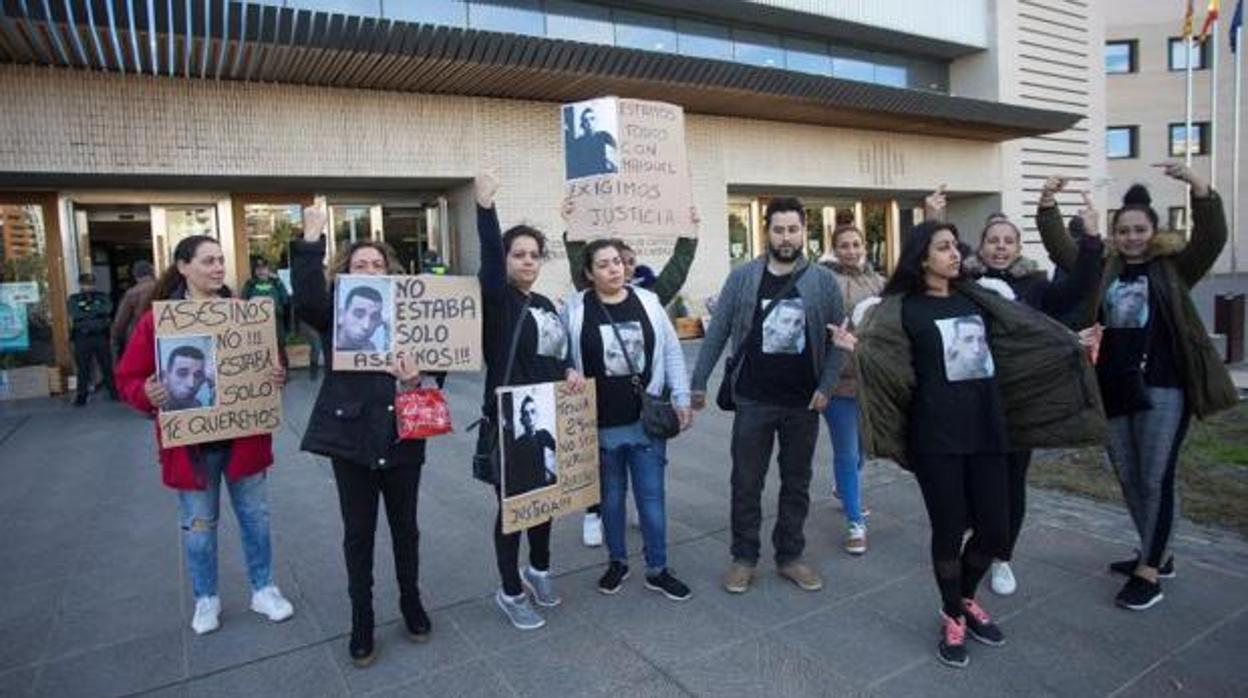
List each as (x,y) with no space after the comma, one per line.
(361,646)
(415,619)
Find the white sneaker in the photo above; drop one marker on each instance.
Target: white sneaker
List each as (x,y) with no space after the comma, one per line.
(1003,582)
(270,602)
(591,530)
(207,615)
(856,539)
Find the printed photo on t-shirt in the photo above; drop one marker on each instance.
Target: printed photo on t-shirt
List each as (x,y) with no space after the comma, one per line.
(967,356)
(784,329)
(613,361)
(552,341)
(1126,303)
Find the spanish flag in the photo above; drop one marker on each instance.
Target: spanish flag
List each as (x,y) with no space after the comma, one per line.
(1211,16)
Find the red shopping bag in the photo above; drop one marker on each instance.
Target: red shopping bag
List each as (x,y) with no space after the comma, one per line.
(422,413)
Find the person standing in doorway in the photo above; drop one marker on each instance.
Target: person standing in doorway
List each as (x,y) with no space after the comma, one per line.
(136,298)
(264,283)
(90,320)
(780,380)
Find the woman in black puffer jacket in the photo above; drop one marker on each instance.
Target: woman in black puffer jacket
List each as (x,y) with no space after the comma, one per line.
(353,424)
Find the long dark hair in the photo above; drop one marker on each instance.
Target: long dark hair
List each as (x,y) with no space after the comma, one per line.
(908,277)
(171,283)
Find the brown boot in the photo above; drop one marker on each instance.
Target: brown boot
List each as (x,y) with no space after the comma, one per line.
(738,577)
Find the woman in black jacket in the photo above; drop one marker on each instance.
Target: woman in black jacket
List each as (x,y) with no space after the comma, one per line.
(353,424)
(525,343)
(1000,256)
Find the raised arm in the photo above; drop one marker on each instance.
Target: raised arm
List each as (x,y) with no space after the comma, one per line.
(313,304)
(1062,250)
(493,270)
(574,250)
(1209,231)
(676,270)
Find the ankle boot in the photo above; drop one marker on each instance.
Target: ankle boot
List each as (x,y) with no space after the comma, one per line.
(414,618)
(361,646)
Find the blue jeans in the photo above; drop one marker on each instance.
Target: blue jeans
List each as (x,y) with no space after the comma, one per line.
(842,417)
(199,510)
(646,464)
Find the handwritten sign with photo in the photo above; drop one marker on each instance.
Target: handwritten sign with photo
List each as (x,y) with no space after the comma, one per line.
(548,437)
(215,359)
(435,319)
(626,169)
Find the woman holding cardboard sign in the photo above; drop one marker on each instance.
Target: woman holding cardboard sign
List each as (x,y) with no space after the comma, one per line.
(353,424)
(525,343)
(198,273)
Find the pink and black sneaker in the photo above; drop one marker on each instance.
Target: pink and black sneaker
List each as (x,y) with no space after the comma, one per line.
(980,624)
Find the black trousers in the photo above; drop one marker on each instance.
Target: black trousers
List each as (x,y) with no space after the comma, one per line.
(93,349)
(755,429)
(964,492)
(1017,463)
(359,488)
(507,551)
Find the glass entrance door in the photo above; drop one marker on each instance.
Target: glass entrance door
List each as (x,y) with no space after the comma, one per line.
(172,224)
(417,235)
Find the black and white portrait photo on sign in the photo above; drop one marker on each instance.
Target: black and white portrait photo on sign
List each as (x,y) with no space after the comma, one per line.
(188,369)
(590,137)
(529,453)
(614,357)
(1126,303)
(784,329)
(967,355)
(552,340)
(362,314)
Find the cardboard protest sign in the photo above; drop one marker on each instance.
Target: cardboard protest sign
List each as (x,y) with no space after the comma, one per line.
(216,360)
(436,319)
(548,438)
(626,169)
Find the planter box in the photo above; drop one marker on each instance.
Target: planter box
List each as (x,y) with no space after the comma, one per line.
(688,327)
(24,383)
(56,381)
(299,355)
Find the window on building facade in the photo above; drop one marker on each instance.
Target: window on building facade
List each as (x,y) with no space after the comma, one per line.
(512,16)
(757,48)
(807,57)
(1120,56)
(1198,143)
(577,21)
(643,31)
(1121,142)
(703,40)
(1177,218)
(450,13)
(26,308)
(1178,54)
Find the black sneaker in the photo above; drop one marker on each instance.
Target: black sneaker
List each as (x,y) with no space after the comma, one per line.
(669,586)
(1139,593)
(952,647)
(613,579)
(415,620)
(980,624)
(80,401)
(1126,568)
(361,646)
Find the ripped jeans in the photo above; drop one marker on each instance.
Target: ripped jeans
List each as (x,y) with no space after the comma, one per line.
(198,511)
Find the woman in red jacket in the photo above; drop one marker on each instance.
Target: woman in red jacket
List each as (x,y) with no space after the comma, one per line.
(198,273)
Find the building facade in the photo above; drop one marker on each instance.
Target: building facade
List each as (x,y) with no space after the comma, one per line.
(1145,87)
(124,132)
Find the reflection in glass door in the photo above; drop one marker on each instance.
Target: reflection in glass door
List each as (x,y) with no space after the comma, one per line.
(172,224)
(740,233)
(416,235)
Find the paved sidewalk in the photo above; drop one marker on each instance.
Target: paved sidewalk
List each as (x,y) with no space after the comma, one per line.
(95,601)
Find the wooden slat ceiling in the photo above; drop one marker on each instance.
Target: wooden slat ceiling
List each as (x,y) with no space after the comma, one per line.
(227,40)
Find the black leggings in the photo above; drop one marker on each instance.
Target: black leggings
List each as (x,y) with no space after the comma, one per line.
(507,550)
(961,492)
(358,490)
(1017,463)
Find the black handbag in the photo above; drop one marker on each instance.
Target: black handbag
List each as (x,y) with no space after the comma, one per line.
(1124,392)
(485,457)
(658,417)
(724,398)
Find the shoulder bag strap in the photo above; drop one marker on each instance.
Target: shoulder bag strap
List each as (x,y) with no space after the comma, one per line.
(515,338)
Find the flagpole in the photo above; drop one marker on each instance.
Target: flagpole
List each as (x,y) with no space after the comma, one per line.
(1187,137)
(1212,37)
(1239,74)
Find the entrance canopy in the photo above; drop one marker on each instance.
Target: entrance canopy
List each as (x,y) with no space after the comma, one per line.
(224,40)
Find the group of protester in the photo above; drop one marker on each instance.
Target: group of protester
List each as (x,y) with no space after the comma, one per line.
(956,367)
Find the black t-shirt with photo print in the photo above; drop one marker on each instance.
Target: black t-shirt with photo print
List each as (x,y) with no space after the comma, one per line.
(956,407)
(541,352)
(778,368)
(1135,331)
(618,403)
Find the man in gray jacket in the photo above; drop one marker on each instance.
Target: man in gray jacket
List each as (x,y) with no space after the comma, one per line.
(781,383)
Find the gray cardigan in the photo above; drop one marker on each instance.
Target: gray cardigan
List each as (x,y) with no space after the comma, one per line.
(738,300)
